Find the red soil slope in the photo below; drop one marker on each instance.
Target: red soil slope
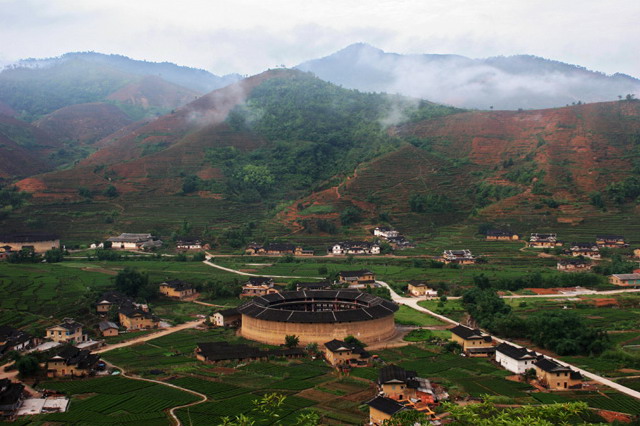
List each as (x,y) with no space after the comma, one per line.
(84,123)
(18,161)
(152,91)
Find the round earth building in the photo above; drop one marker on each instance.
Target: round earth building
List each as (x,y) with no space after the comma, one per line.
(318,316)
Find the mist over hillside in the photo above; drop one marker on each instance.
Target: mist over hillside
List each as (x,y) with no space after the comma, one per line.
(510,83)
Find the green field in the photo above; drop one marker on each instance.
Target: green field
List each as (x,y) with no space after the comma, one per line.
(409,316)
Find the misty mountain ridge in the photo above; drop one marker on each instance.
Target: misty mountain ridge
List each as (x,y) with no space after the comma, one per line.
(502,82)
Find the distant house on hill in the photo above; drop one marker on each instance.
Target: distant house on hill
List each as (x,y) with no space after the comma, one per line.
(354,247)
(556,376)
(67,331)
(38,243)
(514,359)
(625,279)
(357,279)
(258,286)
(191,244)
(177,289)
(419,289)
(459,257)
(544,241)
(385,232)
(611,241)
(127,241)
(573,265)
(636,253)
(588,250)
(500,235)
(277,249)
(473,341)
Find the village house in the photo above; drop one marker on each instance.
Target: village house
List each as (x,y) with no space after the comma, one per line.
(625,279)
(114,299)
(382,409)
(277,249)
(339,353)
(191,244)
(400,243)
(357,279)
(354,247)
(420,289)
(178,289)
(71,361)
(459,257)
(12,339)
(11,397)
(227,318)
(500,235)
(5,252)
(611,241)
(514,359)
(316,285)
(588,250)
(544,241)
(385,232)
(556,376)
(473,341)
(397,383)
(636,253)
(573,265)
(258,286)
(214,352)
(38,243)
(126,241)
(134,318)
(67,331)
(108,328)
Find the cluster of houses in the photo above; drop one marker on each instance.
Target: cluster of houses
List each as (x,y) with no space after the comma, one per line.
(458,257)
(277,249)
(215,352)
(131,315)
(354,248)
(37,243)
(393,237)
(550,374)
(127,241)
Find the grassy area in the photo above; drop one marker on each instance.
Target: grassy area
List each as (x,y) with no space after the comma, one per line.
(409,316)
(451,308)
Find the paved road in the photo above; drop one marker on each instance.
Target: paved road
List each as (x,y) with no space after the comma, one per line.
(413,302)
(147,337)
(234,271)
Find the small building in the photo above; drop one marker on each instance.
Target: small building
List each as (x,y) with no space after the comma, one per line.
(420,289)
(385,232)
(227,318)
(134,318)
(382,409)
(556,376)
(611,241)
(316,285)
(108,328)
(588,250)
(573,265)
(357,279)
(127,241)
(397,383)
(71,361)
(191,244)
(514,359)
(215,352)
(625,280)
(339,353)
(544,241)
(11,397)
(473,341)
(277,249)
(38,243)
(354,247)
(636,253)
(400,243)
(177,289)
(114,299)
(258,286)
(67,331)
(459,257)
(501,235)
(12,339)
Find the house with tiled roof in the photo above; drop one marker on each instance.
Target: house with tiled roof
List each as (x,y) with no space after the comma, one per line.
(573,265)
(11,397)
(517,360)
(382,409)
(556,376)
(177,289)
(338,352)
(588,250)
(538,240)
(71,361)
(625,280)
(354,247)
(67,331)
(357,279)
(227,318)
(215,352)
(397,383)
(132,317)
(258,286)
(108,328)
(473,341)
(458,257)
(611,241)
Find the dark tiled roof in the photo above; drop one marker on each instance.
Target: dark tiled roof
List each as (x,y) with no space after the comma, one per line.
(131,310)
(386,405)
(551,366)
(500,233)
(358,273)
(229,312)
(223,351)
(28,238)
(572,262)
(610,237)
(514,352)
(314,285)
(469,333)
(106,325)
(115,298)
(395,374)
(10,393)
(336,345)
(178,285)
(81,358)
(260,280)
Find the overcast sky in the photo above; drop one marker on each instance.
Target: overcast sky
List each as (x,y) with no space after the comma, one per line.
(248,36)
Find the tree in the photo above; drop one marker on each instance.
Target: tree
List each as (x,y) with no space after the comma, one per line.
(27,366)
(312,348)
(291,340)
(131,282)
(350,215)
(351,340)
(54,255)
(110,192)
(85,192)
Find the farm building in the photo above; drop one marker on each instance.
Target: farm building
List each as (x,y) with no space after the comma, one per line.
(588,250)
(338,352)
(12,339)
(382,409)
(611,241)
(420,289)
(544,241)
(516,360)
(556,376)
(354,247)
(500,235)
(177,289)
(67,331)
(134,318)
(108,328)
(573,265)
(38,243)
(459,257)
(258,286)
(399,384)
(357,279)
(226,318)
(473,341)
(318,316)
(214,352)
(625,279)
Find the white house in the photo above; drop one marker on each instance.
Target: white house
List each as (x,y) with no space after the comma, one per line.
(516,360)
(127,241)
(355,247)
(385,232)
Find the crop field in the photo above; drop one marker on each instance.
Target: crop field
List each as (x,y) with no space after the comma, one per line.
(603,400)
(115,400)
(451,308)
(409,316)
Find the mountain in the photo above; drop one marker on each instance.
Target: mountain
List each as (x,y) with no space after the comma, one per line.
(509,83)
(284,152)
(24,149)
